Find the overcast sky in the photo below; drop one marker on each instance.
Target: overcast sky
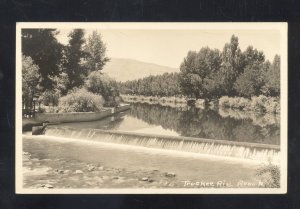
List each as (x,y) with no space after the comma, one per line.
(169,47)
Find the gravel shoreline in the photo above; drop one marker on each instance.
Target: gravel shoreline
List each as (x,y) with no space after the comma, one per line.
(62,174)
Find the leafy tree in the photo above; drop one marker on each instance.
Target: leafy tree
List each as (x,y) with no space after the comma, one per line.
(95,49)
(45,51)
(30,81)
(74,54)
(51,96)
(232,65)
(61,82)
(197,72)
(101,84)
(251,56)
(272,78)
(250,82)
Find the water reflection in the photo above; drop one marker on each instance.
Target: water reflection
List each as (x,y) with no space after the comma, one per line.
(191,122)
(206,123)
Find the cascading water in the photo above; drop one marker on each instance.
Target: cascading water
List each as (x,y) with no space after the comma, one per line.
(242,150)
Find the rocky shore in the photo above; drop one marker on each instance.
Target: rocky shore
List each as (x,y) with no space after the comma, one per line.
(71,174)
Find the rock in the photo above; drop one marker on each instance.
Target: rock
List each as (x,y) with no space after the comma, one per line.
(40,185)
(92,168)
(145,179)
(171,185)
(150,180)
(67,171)
(27,163)
(115,177)
(170,174)
(49,186)
(59,171)
(35,159)
(78,171)
(26,153)
(101,168)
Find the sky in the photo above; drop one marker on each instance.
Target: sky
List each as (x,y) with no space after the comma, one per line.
(169,47)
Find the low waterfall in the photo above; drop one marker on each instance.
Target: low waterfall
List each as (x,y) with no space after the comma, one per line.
(243,150)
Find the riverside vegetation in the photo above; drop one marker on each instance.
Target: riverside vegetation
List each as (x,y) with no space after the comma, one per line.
(65,78)
(69,78)
(239,80)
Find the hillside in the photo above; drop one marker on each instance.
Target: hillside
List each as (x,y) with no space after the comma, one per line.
(128,69)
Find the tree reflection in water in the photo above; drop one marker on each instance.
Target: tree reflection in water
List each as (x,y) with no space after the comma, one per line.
(206,123)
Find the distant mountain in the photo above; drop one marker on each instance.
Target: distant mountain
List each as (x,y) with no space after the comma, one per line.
(128,69)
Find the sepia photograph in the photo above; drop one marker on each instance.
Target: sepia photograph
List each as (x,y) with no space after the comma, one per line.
(151,108)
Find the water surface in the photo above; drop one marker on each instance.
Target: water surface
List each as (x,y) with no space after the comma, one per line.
(191,122)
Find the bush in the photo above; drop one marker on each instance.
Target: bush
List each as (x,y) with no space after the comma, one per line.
(272,105)
(260,104)
(80,100)
(270,175)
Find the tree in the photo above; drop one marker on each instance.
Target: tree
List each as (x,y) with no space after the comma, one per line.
(251,56)
(272,78)
(250,82)
(197,70)
(101,84)
(95,49)
(30,81)
(45,51)
(51,96)
(232,65)
(74,54)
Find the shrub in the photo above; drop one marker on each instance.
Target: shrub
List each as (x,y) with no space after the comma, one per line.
(224,102)
(234,102)
(270,175)
(272,105)
(80,100)
(260,104)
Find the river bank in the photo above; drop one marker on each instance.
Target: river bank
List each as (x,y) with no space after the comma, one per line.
(59,173)
(50,163)
(256,104)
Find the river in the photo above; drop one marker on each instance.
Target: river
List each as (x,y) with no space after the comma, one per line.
(135,162)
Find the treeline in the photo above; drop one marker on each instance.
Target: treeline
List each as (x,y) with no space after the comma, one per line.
(211,73)
(166,84)
(51,70)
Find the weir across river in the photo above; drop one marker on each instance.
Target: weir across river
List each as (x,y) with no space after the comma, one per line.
(232,149)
